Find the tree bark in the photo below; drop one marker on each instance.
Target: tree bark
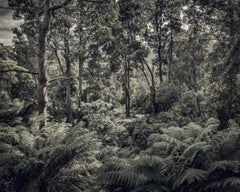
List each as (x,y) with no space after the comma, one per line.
(42,68)
(80,78)
(171,51)
(158,23)
(152,86)
(127,87)
(68,83)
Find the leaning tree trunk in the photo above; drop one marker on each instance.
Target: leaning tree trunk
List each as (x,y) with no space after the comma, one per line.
(42,68)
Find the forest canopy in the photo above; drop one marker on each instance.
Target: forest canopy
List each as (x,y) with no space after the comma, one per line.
(127,95)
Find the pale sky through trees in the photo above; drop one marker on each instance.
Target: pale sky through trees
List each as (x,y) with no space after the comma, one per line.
(6,24)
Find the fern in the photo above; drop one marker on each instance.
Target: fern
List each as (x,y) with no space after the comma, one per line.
(134,173)
(231,181)
(40,156)
(192,130)
(226,184)
(192,149)
(175,132)
(225,145)
(152,188)
(191,176)
(224,165)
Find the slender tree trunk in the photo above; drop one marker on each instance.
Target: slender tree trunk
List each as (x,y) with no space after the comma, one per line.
(68,83)
(80,78)
(171,51)
(152,86)
(42,68)
(195,85)
(127,87)
(158,23)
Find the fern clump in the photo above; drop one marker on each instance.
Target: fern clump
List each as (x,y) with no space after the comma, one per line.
(191,158)
(41,155)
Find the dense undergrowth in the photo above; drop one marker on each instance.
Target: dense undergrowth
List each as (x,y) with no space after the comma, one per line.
(174,150)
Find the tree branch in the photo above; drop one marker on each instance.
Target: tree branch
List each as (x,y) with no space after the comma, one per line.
(59,6)
(61,77)
(19,71)
(2,7)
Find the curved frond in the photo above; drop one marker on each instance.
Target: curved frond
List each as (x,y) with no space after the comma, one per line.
(8,148)
(192,130)
(61,155)
(226,183)
(10,160)
(224,166)
(175,132)
(190,176)
(231,181)
(190,151)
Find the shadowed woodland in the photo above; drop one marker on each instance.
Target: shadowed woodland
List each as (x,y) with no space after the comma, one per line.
(121,96)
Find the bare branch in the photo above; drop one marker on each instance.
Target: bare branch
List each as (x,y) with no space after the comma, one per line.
(59,6)
(19,71)
(60,78)
(95,1)
(3,7)
(145,75)
(58,58)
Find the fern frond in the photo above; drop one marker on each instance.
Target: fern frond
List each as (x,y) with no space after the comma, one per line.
(205,136)
(190,176)
(224,166)
(26,138)
(9,137)
(152,187)
(225,145)
(10,160)
(231,181)
(7,148)
(151,166)
(188,152)
(116,164)
(64,153)
(192,130)
(125,178)
(175,132)
(149,161)
(158,138)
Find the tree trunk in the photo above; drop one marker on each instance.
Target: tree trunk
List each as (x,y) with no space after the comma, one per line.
(42,68)
(127,87)
(80,78)
(151,86)
(171,51)
(68,83)
(158,23)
